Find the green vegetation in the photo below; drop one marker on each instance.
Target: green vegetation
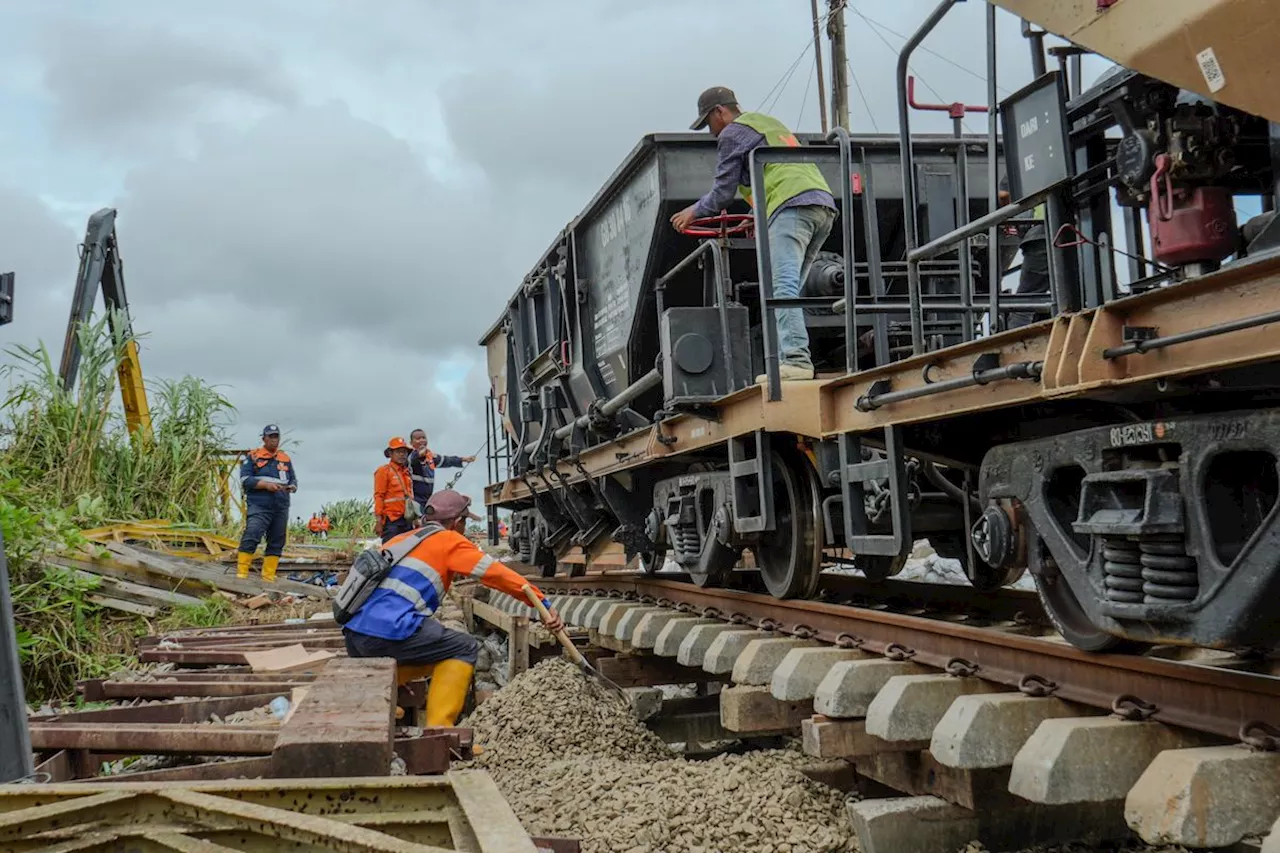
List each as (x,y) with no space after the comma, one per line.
(68,464)
(351,518)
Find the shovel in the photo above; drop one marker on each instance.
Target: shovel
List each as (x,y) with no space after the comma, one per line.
(574,654)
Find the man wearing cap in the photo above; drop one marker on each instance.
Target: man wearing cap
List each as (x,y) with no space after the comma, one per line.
(267,478)
(423,464)
(798,204)
(395,621)
(393,492)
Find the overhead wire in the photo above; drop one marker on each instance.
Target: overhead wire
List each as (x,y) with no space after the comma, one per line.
(863,95)
(895,52)
(786,75)
(935,53)
(786,82)
(804,99)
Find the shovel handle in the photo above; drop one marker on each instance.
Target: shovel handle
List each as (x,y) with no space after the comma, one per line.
(574,654)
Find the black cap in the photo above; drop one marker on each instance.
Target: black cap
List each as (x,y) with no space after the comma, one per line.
(716,96)
(271,429)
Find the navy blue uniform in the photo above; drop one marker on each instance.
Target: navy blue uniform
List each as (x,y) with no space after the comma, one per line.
(423,471)
(268,512)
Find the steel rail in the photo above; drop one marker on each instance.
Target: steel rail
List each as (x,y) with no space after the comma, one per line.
(1204,698)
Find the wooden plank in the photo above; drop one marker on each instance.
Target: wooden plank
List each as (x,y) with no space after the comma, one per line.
(518,646)
(286,659)
(193,711)
(650,670)
(826,738)
(125,589)
(174,689)
(345,724)
(154,738)
(920,774)
(237,768)
(750,709)
(125,606)
(496,827)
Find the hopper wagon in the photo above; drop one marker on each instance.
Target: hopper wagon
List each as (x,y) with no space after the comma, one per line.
(1120,445)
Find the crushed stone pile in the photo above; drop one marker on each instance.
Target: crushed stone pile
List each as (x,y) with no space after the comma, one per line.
(573,762)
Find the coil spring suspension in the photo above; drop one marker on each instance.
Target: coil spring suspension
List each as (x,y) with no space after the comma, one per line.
(686,540)
(1122,569)
(1153,569)
(1168,573)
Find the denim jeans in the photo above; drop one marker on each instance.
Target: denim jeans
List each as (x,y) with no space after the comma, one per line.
(796,235)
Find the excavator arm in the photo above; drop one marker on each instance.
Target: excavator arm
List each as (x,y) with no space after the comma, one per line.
(100,264)
(1220,49)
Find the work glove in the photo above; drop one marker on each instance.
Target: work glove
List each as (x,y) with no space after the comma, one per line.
(555,624)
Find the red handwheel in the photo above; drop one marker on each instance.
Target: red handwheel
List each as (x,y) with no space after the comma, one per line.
(725,225)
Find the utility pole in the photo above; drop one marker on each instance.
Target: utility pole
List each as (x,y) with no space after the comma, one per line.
(839,65)
(817,54)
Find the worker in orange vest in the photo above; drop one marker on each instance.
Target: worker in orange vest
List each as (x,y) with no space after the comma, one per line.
(395,621)
(314,525)
(394,509)
(324,525)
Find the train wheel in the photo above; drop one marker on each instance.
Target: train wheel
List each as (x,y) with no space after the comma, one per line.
(652,561)
(1064,610)
(877,567)
(790,558)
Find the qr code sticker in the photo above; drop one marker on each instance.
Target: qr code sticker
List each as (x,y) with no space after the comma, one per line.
(1211,70)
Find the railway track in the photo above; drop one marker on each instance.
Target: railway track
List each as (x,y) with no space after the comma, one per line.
(990,724)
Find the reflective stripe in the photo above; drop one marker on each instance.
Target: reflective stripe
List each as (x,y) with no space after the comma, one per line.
(408,593)
(421,479)
(424,569)
(398,500)
(482,566)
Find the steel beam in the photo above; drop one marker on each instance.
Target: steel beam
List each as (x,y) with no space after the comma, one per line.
(15,745)
(154,738)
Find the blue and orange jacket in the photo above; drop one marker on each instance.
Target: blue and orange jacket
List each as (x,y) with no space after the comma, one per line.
(414,587)
(423,468)
(262,464)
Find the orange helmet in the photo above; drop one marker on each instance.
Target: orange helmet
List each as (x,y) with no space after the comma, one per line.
(396,443)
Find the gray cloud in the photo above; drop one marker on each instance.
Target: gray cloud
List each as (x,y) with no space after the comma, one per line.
(323,207)
(150,74)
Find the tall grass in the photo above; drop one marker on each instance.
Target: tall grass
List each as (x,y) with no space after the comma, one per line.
(351,518)
(73,447)
(69,462)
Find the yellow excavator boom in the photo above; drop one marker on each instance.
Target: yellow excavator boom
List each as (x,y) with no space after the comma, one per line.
(101,266)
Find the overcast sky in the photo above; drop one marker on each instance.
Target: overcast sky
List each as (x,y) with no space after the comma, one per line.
(324,204)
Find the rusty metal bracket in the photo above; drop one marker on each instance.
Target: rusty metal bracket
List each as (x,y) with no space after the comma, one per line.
(1130,707)
(1037,685)
(1261,736)
(961,668)
(848,641)
(804,632)
(898,652)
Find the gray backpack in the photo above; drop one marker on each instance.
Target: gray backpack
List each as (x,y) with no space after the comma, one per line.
(370,567)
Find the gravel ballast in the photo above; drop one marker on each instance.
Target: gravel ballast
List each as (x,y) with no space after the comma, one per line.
(573,762)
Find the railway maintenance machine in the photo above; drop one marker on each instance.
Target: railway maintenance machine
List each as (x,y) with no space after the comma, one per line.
(1113,432)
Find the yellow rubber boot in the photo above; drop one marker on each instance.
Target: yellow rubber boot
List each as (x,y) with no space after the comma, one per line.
(269,568)
(243,562)
(448,692)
